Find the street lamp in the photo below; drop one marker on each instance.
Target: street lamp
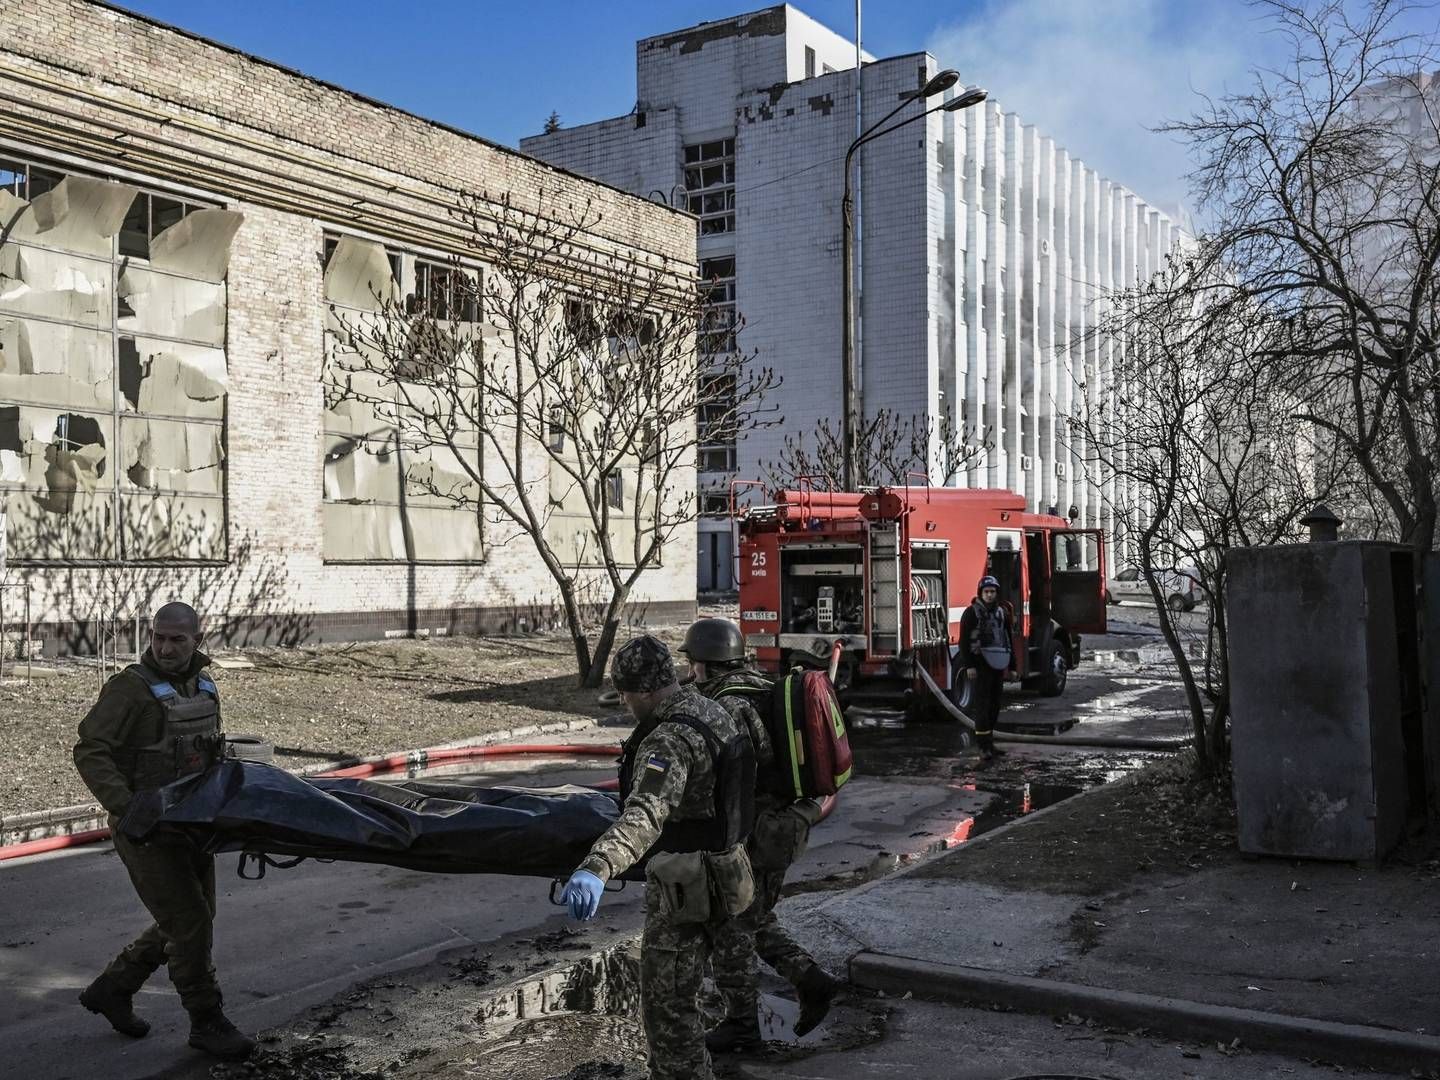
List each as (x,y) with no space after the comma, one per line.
(850,395)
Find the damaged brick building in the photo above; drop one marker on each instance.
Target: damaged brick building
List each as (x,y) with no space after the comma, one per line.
(182,225)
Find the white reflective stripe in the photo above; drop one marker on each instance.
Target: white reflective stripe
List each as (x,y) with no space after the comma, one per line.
(956,613)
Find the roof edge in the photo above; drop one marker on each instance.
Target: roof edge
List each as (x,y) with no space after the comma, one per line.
(365,99)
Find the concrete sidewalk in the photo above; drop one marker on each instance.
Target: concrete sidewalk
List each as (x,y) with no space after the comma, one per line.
(1068,911)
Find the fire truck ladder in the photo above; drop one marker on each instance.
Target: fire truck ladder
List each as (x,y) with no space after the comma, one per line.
(885,587)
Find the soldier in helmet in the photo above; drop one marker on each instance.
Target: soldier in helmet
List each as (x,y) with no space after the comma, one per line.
(687,780)
(986,654)
(155,722)
(716,651)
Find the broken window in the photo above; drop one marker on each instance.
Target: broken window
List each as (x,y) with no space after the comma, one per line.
(386,499)
(111,444)
(445,293)
(710,185)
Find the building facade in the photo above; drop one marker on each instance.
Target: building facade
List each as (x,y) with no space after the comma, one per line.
(184,227)
(984,249)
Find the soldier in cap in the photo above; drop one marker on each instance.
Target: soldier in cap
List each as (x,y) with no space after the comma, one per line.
(156,722)
(687,777)
(716,651)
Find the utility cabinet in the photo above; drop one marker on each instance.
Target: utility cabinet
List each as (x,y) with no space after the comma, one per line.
(1334,752)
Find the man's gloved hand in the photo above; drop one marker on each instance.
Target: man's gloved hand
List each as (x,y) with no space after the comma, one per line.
(582,893)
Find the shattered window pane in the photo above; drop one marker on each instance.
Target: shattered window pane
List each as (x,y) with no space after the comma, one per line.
(169,306)
(54,285)
(360,274)
(188,527)
(386,500)
(47,363)
(111,445)
(135,229)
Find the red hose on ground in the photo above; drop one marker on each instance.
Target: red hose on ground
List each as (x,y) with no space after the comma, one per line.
(52,843)
(425,758)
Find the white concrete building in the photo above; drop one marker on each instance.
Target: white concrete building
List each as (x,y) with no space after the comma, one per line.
(983,244)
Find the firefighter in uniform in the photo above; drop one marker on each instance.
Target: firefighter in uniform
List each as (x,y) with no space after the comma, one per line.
(155,722)
(986,654)
(716,651)
(687,781)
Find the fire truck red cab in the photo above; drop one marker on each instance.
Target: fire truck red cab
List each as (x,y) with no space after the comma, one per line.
(889,572)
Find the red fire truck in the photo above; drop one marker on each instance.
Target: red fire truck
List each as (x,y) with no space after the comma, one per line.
(888,572)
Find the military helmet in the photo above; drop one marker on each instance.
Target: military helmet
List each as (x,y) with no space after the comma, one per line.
(713,641)
(989,581)
(642,665)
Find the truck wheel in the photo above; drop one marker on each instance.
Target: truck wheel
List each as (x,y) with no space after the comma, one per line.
(962,692)
(1057,670)
(1176,603)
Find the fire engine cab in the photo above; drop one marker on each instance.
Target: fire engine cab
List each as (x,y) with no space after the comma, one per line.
(888,572)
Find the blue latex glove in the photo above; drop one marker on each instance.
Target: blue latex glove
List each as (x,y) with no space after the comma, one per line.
(582,893)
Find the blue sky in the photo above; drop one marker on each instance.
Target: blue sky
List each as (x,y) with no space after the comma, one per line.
(1095,74)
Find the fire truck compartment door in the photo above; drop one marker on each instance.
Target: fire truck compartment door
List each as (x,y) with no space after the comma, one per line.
(1077,597)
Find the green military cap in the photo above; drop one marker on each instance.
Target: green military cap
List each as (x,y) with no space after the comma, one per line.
(641,665)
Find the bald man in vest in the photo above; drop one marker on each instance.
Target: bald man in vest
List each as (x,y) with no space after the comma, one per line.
(156,722)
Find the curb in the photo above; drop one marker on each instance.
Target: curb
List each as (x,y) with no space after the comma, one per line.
(1297,1036)
(90,817)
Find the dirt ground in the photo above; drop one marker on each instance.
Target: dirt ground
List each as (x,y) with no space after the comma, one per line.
(316,704)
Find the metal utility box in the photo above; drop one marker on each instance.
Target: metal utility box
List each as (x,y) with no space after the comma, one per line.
(1328,727)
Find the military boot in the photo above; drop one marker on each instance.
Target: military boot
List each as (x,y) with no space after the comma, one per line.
(733,1036)
(103,997)
(213,1033)
(816,990)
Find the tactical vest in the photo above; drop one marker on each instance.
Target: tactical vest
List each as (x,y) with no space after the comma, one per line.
(192,741)
(733,763)
(991,637)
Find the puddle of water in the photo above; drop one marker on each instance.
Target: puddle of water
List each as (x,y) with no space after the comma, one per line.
(544,1027)
(588,1013)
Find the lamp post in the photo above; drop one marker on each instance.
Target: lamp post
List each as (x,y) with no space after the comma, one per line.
(850,382)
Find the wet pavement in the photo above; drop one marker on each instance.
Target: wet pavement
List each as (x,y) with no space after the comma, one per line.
(441,976)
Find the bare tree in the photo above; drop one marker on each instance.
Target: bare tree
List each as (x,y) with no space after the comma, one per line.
(1206,453)
(1323,180)
(893,450)
(555,391)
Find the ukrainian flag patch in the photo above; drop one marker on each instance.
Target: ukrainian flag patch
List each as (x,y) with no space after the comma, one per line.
(652,779)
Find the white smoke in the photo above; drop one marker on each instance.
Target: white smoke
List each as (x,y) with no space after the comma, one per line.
(1098,75)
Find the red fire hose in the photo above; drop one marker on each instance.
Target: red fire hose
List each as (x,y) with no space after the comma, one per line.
(426,758)
(52,843)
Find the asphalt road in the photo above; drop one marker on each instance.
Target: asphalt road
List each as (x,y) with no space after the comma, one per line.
(300,937)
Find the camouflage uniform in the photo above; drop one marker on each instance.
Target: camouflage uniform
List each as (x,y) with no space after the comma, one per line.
(782,830)
(675,782)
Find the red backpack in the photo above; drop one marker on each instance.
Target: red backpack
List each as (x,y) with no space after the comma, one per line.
(807,729)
